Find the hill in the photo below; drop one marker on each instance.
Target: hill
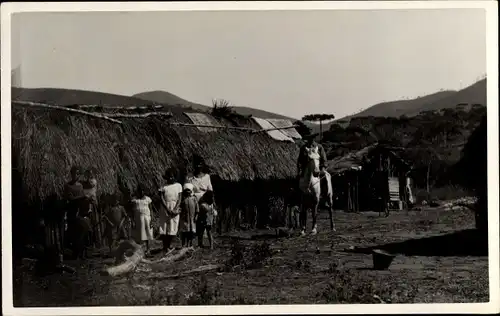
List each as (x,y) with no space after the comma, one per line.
(243,110)
(169,98)
(172,99)
(404,107)
(68,97)
(473,94)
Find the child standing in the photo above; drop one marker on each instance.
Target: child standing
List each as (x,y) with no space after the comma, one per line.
(90,189)
(206,218)
(171,196)
(142,217)
(189,212)
(89,185)
(74,196)
(115,219)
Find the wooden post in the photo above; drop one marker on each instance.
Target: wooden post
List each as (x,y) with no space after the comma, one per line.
(349,202)
(357,192)
(59,228)
(97,228)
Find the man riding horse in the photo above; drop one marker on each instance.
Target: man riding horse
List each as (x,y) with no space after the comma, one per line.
(314,182)
(303,156)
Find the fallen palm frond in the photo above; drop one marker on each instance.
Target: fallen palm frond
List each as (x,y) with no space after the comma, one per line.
(128,256)
(171,257)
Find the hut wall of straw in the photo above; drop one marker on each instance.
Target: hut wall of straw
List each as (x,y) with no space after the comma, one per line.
(246,168)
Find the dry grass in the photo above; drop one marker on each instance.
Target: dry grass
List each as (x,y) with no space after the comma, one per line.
(291,271)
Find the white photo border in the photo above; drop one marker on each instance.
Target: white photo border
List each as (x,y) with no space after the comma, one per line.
(491,9)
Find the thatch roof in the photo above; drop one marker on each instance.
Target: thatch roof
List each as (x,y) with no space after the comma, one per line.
(46,143)
(356,160)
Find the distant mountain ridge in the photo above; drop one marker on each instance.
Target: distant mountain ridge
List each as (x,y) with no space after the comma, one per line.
(172,99)
(68,97)
(164,97)
(473,94)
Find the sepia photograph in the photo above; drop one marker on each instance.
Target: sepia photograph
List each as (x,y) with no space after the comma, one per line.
(185,157)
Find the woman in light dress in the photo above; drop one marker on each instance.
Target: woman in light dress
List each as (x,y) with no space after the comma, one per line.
(142,217)
(202,184)
(171,196)
(200,180)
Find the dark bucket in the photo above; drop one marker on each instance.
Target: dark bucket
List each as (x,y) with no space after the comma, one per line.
(382,259)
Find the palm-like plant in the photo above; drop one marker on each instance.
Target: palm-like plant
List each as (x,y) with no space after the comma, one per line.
(222,108)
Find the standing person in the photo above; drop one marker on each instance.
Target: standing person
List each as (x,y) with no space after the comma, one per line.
(142,217)
(200,180)
(206,218)
(89,184)
(171,197)
(73,196)
(189,212)
(115,219)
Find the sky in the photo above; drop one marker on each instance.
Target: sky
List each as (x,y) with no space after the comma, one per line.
(288,62)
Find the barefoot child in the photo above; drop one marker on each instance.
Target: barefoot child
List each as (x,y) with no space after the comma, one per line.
(189,212)
(206,218)
(89,185)
(74,197)
(142,217)
(115,219)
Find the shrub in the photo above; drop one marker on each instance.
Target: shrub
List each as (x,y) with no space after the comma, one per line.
(204,294)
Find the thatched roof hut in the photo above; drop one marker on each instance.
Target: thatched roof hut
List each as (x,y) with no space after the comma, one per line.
(251,172)
(46,143)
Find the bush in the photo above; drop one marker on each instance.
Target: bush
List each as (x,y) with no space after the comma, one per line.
(248,258)
(347,288)
(204,294)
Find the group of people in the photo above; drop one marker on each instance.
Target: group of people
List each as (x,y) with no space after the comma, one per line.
(188,210)
(80,197)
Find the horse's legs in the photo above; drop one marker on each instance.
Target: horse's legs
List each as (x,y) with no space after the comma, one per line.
(314,211)
(330,210)
(303,215)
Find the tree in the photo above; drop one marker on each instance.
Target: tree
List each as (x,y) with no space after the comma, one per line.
(319,118)
(472,171)
(302,129)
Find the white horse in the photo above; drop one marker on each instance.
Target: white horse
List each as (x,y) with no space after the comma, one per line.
(310,188)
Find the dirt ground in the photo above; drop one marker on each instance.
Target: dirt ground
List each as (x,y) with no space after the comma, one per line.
(439,260)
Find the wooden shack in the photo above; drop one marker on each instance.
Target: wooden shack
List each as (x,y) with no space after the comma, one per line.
(374,178)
